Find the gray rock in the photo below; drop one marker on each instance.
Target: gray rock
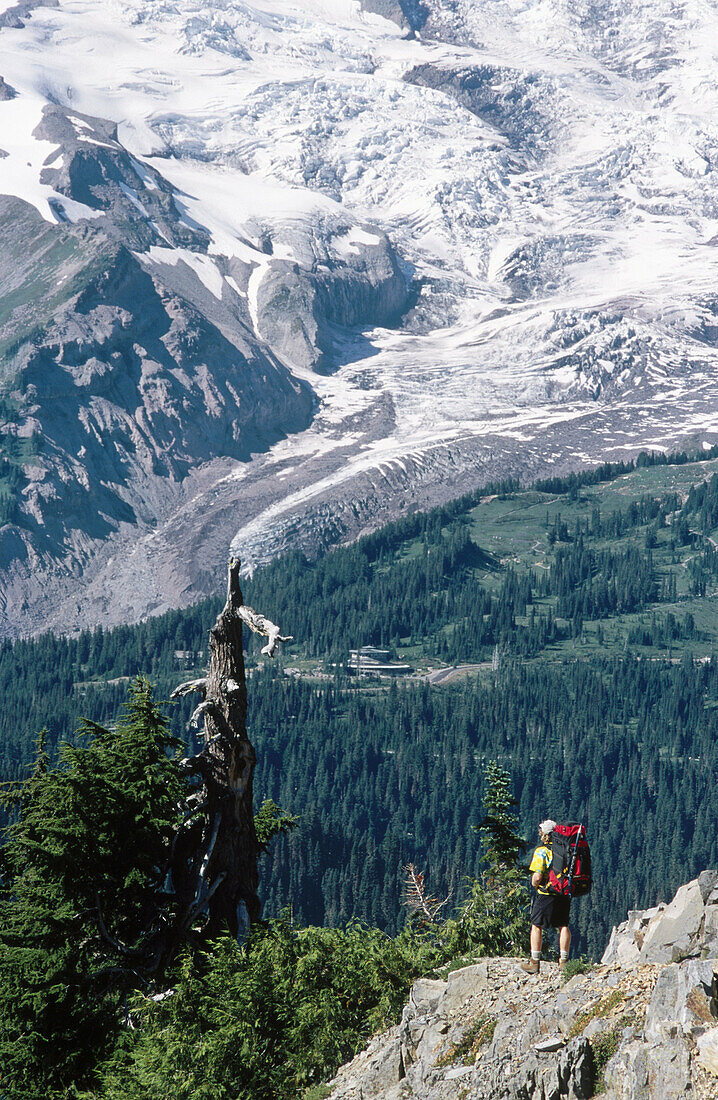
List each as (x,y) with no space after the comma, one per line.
(708,1050)
(13,16)
(384,1070)
(670,933)
(548,1045)
(568,1076)
(683,1000)
(626,1074)
(425,995)
(461,984)
(669,1071)
(389,9)
(709,933)
(644,1071)
(707,882)
(627,938)
(458,1071)
(6,92)
(137,205)
(343,277)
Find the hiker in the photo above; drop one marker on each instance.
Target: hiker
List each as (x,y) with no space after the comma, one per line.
(548,910)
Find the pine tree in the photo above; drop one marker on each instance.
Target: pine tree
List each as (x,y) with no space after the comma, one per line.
(82,905)
(498,829)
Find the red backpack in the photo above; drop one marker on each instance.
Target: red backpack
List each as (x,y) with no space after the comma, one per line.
(570,872)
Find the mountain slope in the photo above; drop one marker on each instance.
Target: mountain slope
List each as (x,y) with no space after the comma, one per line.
(424,241)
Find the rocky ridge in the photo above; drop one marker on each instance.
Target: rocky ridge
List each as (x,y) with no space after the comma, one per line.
(642,1025)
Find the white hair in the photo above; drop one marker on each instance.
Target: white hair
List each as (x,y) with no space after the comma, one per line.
(547,826)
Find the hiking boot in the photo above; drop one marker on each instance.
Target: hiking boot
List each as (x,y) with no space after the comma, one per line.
(562,964)
(531,966)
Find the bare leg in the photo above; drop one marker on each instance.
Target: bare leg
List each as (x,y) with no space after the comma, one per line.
(564,939)
(537,937)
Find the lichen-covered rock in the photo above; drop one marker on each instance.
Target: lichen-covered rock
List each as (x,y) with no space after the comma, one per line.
(683,1000)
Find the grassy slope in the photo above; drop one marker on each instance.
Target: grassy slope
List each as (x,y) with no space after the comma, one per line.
(513,529)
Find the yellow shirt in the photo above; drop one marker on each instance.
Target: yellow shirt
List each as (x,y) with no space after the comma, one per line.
(542,860)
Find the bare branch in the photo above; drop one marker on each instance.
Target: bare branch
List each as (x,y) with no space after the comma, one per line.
(416,898)
(128,952)
(199,712)
(210,846)
(260,625)
(196,765)
(189,686)
(202,902)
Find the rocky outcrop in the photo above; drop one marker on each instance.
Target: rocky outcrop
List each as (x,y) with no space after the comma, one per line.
(686,928)
(633,1028)
(342,277)
(127,385)
(142,358)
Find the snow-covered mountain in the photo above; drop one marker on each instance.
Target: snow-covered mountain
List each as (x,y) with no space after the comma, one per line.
(273,271)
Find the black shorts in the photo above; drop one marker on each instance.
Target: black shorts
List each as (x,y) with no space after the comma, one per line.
(550,910)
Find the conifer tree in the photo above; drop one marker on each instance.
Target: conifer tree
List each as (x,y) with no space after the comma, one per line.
(83,913)
(502,843)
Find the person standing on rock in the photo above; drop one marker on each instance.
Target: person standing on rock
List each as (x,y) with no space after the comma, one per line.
(548,910)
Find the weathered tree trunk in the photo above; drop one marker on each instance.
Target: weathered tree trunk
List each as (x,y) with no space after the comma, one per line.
(215,866)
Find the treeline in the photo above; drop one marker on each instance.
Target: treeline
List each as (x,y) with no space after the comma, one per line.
(382,776)
(393,776)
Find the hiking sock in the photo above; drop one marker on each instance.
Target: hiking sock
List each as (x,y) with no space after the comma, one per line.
(536,955)
(564,956)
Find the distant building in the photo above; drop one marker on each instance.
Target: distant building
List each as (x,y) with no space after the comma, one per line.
(371,651)
(189,658)
(375,661)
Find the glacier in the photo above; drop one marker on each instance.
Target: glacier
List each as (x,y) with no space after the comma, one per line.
(443,240)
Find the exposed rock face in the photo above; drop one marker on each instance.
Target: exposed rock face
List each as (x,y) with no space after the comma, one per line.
(640,1030)
(137,353)
(685,928)
(342,276)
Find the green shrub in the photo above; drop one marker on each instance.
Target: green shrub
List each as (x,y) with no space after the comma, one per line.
(597,1012)
(576,966)
(603,1048)
(477,1035)
(267,1020)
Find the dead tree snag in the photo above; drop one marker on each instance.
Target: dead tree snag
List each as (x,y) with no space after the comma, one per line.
(215,864)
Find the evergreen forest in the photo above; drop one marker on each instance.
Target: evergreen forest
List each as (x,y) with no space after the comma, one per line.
(566,632)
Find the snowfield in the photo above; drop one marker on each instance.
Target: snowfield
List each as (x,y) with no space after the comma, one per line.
(545,171)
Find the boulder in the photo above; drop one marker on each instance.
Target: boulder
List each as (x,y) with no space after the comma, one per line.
(708,884)
(683,1000)
(669,1071)
(461,985)
(686,928)
(626,1074)
(669,935)
(425,996)
(649,1071)
(624,946)
(708,1050)
(384,1070)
